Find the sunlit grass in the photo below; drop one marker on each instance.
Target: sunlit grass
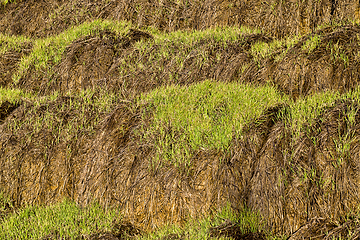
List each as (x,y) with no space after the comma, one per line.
(4,2)
(49,51)
(246,220)
(13,95)
(205,115)
(209,114)
(218,34)
(306,109)
(64,219)
(14,43)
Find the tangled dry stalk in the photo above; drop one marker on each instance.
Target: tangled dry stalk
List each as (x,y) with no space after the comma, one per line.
(302,184)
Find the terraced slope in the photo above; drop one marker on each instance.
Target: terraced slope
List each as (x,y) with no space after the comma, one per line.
(234,119)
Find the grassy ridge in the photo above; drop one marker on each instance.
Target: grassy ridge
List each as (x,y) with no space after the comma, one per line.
(207,115)
(191,111)
(66,220)
(183,118)
(61,220)
(49,51)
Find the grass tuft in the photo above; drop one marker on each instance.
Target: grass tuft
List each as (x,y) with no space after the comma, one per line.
(64,219)
(49,51)
(206,115)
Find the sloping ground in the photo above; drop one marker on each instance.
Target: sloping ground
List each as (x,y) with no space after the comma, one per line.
(136,62)
(315,172)
(88,62)
(108,115)
(11,52)
(279,18)
(60,148)
(325,60)
(36,135)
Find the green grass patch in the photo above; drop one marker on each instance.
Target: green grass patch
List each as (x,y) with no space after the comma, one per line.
(64,219)
(305,110)
(277,48)
(312,43)
(205,115)
(49,51)
(218,34)
(13,95)
(4,2)
(180,43)
(12,43)
(85,111)
(246,220)
(176,45)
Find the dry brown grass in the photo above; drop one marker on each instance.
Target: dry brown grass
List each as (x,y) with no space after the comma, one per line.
(9,61)
(325,60)
(306,185)
(279,18)
(112,62)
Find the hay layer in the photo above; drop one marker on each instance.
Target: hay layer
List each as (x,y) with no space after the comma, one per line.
(301,184)
(278,17)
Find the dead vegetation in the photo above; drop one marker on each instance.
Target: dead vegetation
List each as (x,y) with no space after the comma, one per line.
(6,109)
(268,170)
(113,62)
(315,173)
(231,230)
(325,60)
(87,143)
(88,62)
(9,62)
(34,135)
(279,18)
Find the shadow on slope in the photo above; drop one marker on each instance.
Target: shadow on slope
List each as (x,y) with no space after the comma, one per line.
(297,178)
